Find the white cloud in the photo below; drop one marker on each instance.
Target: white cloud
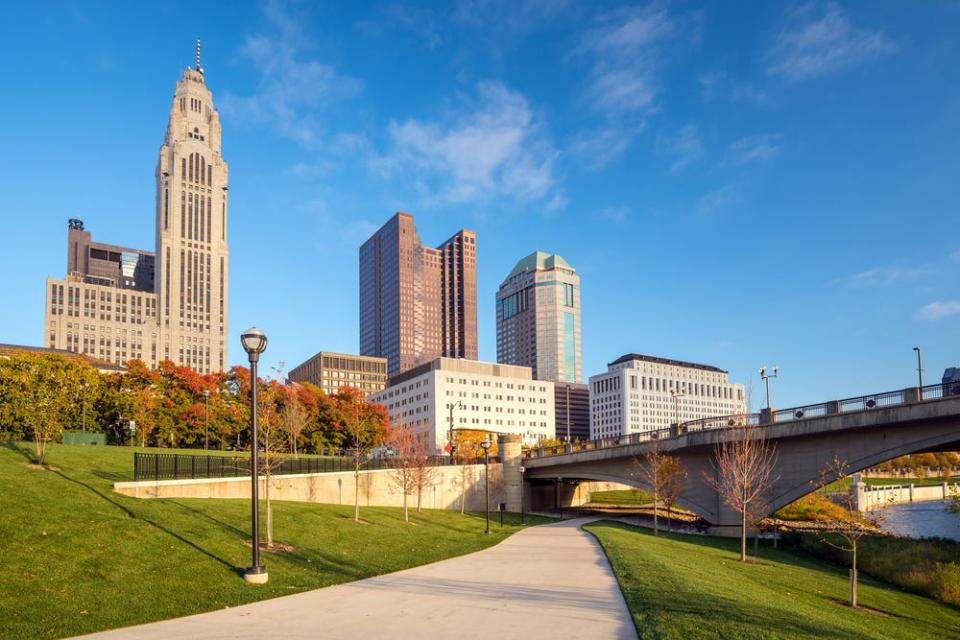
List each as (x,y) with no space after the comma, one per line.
(939,310)
(717,200)
(492,148)
(820,44)
(955,256)
(717,85)
(759,148)
(624,49)
(615,214)
(291,90)
(686,148)
(888,275)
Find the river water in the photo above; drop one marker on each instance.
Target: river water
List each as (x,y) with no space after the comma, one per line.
(922,520)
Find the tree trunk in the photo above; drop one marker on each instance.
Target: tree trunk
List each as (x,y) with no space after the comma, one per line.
(266,494)
(853,576)
(356,493)
(669,511)
(656,530)
(463,489)
(419,496)
(743,535)
(406,512)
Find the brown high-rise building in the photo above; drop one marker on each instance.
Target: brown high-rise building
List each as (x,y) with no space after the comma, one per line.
(417,303)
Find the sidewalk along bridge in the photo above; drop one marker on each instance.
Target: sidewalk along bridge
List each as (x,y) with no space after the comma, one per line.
(863,431)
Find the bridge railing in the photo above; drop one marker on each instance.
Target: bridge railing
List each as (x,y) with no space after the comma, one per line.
(848,405)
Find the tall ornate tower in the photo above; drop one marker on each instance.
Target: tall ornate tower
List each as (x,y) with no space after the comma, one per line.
(191,258)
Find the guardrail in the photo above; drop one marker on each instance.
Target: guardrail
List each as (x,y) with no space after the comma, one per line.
(175,466)
(849,405)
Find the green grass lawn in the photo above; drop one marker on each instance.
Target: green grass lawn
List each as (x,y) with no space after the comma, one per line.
(684,586)
(78,558)
(630,497)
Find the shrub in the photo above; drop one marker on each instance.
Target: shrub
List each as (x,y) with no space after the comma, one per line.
(945,583)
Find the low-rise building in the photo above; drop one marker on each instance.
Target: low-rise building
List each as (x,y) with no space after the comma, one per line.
(644,393)
(330,371)
(485,397)
(572,404)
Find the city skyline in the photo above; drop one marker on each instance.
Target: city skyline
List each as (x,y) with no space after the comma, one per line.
(770,198)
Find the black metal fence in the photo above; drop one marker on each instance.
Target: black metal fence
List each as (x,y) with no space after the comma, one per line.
(176,466)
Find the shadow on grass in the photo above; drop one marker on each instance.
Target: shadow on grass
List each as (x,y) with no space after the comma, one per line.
(19,449)
(131,514)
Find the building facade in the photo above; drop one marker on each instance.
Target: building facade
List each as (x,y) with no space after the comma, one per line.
(492,397)
(538,318)
(417,303)
(118,303)
(330,371)
(644,393)
(572,406)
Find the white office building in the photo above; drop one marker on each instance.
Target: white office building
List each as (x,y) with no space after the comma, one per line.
(644,393)
(492,397)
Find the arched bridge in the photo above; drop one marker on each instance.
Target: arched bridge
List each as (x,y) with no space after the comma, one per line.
(862,431)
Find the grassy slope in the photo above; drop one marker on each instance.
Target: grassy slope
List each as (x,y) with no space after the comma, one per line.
(680,586)
(78,558)
(630,497)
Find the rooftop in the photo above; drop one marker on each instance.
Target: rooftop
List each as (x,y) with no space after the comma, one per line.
(7,350)
(540,261)
(463,365)
(677,363)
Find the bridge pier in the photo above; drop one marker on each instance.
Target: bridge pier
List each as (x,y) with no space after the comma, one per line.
(509,446)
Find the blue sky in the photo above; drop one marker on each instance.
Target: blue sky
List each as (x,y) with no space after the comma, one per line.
(737,184)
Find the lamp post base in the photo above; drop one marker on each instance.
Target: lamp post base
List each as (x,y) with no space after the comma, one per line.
(256,575)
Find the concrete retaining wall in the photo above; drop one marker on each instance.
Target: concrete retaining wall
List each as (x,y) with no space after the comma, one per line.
(868,497)
(376,488)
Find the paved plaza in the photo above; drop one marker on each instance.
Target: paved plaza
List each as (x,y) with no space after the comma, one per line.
(551,581)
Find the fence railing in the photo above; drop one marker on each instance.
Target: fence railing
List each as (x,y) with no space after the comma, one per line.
(849,405)
(176,466)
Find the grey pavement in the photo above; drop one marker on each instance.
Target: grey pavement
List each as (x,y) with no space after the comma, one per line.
(551,581)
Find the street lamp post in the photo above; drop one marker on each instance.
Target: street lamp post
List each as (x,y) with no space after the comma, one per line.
(452,406)
(919,370)
(486,479)
(766,379)
(254,343)
(522,511)
(676,394)
(206,419)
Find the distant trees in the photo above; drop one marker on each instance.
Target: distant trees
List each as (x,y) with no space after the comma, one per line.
(743,464)
(42,395)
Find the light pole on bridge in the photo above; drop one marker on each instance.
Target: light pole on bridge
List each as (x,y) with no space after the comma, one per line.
(766,379)
(919,369)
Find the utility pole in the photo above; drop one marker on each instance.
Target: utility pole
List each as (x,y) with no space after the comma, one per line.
(452,406)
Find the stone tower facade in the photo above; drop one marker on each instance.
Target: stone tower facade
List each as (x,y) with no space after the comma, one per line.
(118,303)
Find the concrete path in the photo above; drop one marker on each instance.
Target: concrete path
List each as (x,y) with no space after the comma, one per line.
(551,582)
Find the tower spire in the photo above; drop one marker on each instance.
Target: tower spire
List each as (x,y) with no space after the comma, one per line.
(199,68)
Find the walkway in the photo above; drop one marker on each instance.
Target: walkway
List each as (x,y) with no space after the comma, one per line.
(551,581)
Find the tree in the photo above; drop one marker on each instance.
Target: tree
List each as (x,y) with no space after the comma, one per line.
(663,475)
(743,465)
(467,453)
(852,524)
(47,403)
(295,417)
(424,470)
(272,398)
(365,426)
(144,412)
(404,449)
(674,478)
(649,468)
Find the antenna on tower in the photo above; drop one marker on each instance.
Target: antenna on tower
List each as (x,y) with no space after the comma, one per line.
(199,68)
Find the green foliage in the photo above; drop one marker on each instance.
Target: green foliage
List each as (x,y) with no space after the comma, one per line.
(686,586)
(930,566)
(79,558)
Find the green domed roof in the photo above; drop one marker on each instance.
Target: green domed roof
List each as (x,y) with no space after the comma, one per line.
(541,261)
